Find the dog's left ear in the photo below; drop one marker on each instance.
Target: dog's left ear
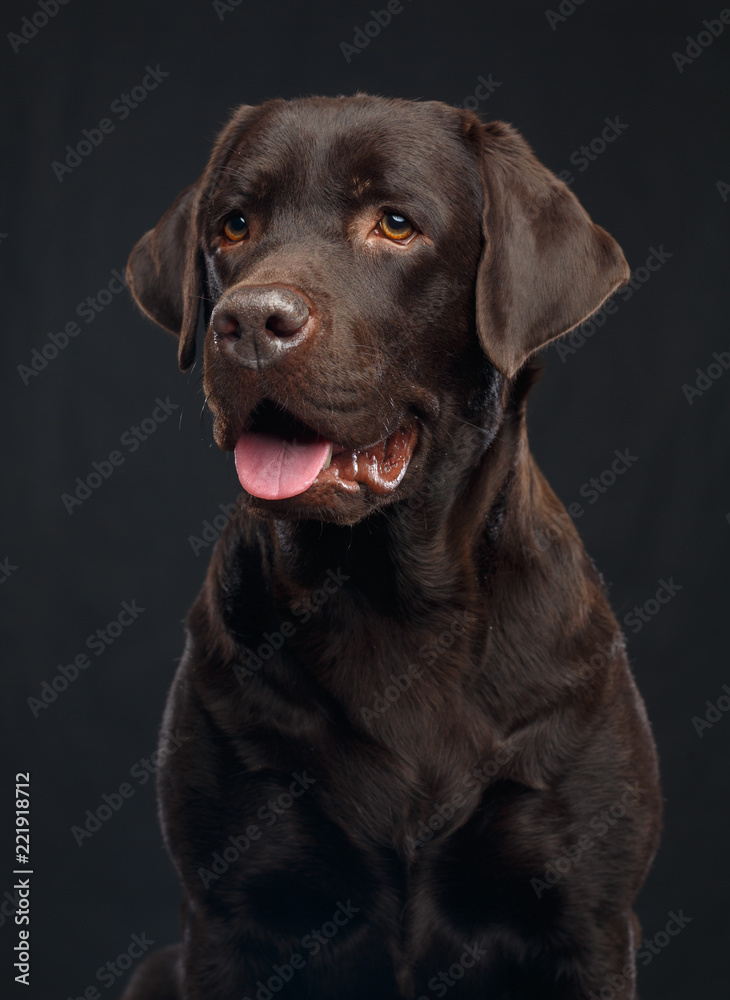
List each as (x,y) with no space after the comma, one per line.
(545,267)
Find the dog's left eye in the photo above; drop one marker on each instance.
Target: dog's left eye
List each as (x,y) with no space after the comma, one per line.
(235,228)
(396,227)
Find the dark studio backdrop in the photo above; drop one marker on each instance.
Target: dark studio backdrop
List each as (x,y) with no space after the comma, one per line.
(617,95)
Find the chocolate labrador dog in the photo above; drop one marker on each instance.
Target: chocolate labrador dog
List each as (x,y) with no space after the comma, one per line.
(413,759)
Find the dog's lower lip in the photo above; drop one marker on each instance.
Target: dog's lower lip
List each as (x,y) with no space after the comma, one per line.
(380,466)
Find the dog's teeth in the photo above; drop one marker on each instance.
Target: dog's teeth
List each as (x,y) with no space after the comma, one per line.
(329,458)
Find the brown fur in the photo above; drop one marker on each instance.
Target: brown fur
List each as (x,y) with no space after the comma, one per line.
(435,811)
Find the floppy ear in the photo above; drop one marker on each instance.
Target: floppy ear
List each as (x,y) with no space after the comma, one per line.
(165,269)
(545,267)
(164,272)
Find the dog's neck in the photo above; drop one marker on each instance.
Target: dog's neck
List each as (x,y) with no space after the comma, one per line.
(454,544)
(468,567)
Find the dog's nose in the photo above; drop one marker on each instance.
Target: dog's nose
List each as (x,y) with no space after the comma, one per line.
(257,325)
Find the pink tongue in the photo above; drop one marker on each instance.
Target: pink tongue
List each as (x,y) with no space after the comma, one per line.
(273,468)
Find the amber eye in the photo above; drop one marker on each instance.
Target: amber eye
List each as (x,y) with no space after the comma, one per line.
(235,227)
(396,227)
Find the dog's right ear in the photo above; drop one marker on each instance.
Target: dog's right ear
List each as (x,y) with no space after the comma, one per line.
(164,272)
(165,268)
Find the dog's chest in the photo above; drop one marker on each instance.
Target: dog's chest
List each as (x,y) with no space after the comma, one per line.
(416,740)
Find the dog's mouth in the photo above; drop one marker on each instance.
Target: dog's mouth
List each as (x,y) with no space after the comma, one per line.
(281,457)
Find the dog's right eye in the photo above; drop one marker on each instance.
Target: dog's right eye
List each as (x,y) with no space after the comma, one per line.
(235,228)
(396,227)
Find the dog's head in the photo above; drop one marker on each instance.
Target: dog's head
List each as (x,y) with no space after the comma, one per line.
(371,272)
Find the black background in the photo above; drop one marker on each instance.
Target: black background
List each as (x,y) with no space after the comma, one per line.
(666,517)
